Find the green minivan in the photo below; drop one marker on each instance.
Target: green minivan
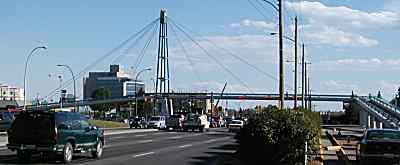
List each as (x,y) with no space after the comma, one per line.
(54,133)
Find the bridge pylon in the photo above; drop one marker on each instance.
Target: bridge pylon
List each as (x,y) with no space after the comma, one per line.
(162,77)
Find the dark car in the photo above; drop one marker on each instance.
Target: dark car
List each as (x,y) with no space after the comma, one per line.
(379,145)
(54,133)
(6,119)
(137,122)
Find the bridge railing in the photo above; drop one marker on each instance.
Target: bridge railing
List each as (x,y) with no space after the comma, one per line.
(386,106)
(365,103)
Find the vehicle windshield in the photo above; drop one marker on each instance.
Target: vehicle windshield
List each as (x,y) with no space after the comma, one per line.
(383,135)
(155,118)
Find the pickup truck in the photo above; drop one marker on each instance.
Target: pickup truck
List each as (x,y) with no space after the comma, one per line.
(175,122)
(195,121)
(59,134)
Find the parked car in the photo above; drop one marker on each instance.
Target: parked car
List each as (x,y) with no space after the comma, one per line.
(227,120)
(137,122)
(6,119)
(54,133)
(235,125)
(378,146)
(195,121)
(157,122)
(175,121)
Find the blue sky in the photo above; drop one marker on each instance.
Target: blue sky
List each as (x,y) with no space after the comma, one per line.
(352,44)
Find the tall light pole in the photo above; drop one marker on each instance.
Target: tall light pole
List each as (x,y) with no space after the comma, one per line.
(26,65)
(295,60)
(281,60)
(73,78)
(61,92)
(295,63)
(302,78)
(136,80)
(281,64)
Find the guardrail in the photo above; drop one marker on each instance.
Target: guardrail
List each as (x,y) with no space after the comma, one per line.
(376,112)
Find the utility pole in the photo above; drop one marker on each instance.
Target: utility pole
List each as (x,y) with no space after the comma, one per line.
(309,91)
(295,63)
(305,85)
(302,77)
(281,64)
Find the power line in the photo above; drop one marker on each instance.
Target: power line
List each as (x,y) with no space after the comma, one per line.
(212,57)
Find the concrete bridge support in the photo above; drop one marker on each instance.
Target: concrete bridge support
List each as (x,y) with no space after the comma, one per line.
(364,118)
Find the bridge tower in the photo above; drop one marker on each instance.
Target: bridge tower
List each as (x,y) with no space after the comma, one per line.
(163,105)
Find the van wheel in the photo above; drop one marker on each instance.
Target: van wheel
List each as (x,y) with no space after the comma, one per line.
(68,152)
(99,150)
(24,155)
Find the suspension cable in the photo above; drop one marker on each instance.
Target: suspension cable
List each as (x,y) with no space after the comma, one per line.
(187,57)
(90,66)
(212,57)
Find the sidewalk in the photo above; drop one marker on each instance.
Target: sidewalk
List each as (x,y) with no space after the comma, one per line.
(107,132)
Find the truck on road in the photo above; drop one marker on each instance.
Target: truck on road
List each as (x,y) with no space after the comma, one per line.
(175,122)
(196,122)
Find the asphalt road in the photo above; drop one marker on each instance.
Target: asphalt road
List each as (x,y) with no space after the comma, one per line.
(153,148)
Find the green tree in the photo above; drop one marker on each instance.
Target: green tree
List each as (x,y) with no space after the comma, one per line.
(101,94)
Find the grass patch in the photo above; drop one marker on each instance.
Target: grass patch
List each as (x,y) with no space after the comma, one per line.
(107,124)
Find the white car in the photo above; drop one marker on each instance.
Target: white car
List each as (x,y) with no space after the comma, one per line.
(157,122)
(235,125)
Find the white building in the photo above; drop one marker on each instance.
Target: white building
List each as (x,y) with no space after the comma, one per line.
(11,93)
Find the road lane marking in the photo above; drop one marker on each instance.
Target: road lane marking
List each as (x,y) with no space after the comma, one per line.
(145,141)
(175,137)
(118,137)
(159,133)
(143,154)
(140,135)
(184,146)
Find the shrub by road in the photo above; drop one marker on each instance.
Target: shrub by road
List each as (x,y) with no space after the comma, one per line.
(278,136)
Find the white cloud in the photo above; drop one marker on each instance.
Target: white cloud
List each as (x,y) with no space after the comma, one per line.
(389,88)
(252,48)
(363,64)
(254,24)
(338,86)
(345,16)
(329,35)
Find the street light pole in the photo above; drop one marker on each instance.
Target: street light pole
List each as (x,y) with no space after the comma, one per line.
(136,80)
(295,63)
(302,78)
(61,91)
(281,64)
(73,78)
(26,66)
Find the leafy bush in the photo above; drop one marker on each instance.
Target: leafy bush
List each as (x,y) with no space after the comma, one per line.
(278,136)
